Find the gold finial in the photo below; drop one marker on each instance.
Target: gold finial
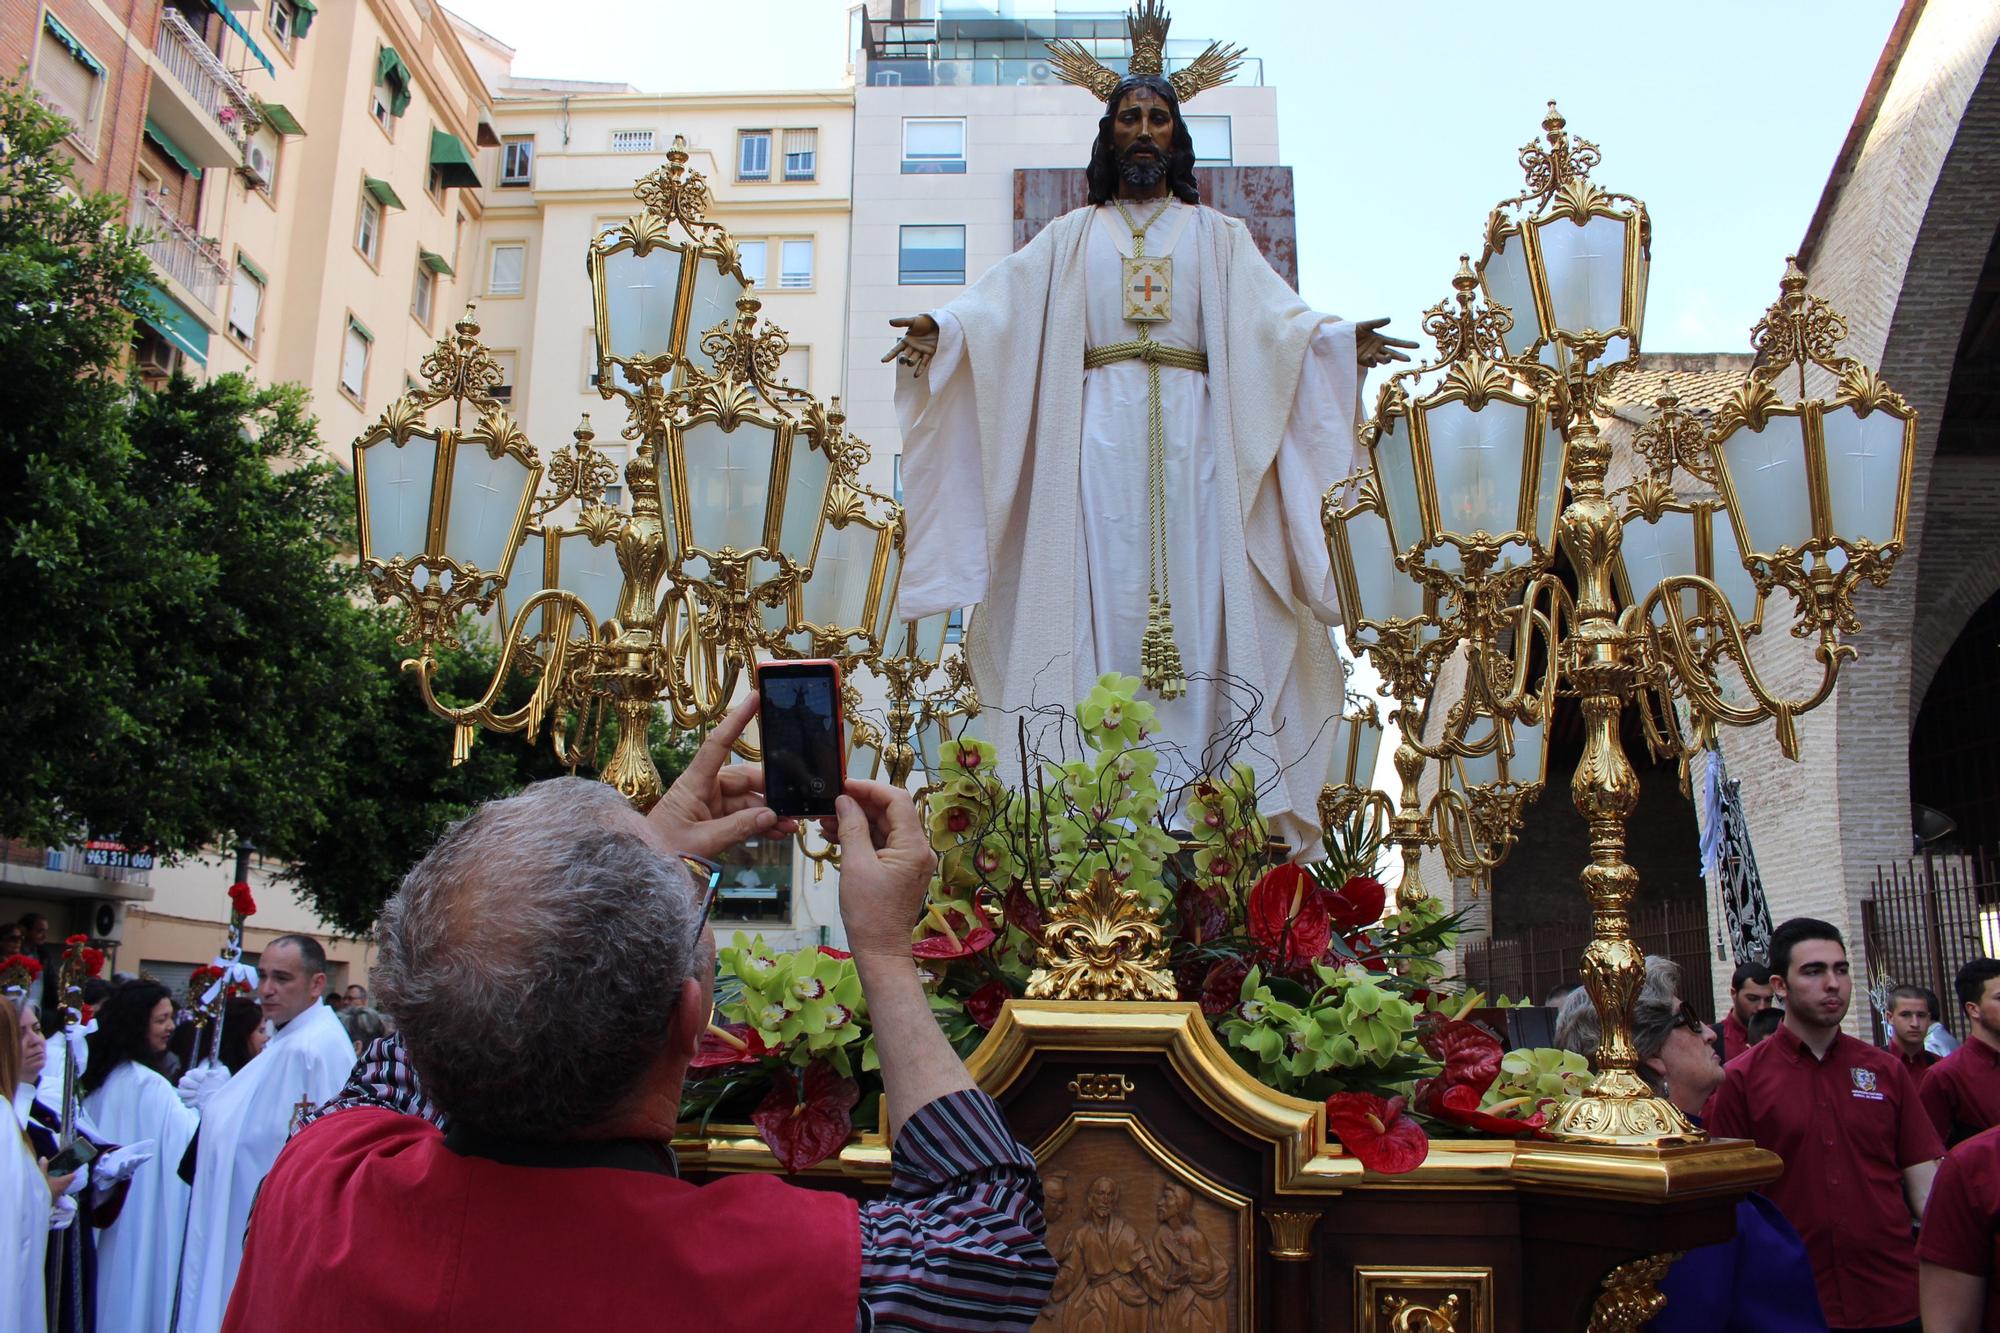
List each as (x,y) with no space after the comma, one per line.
(1552,124)
(1146,25)
(1465,282)
(1565,159)
(583,433)
(1466,332)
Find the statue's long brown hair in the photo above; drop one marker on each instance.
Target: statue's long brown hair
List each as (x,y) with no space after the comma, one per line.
(1102,173)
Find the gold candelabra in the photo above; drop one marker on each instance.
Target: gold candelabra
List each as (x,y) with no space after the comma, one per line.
(748,534)
(1471,458)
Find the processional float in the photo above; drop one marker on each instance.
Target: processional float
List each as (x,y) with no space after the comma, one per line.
(748,533)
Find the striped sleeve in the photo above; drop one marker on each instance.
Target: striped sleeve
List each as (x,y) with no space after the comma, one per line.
(959,1243)
(383,1077)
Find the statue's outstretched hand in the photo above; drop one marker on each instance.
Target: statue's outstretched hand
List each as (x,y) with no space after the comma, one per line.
(1375,348)
(918,343)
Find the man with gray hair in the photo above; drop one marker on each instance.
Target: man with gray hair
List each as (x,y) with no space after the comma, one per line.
(507,1154)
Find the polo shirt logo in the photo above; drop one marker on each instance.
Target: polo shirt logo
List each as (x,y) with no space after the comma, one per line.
(1864,1084)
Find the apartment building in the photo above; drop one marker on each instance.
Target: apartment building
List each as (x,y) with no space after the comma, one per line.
(307,172)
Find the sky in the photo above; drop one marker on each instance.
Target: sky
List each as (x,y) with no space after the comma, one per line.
(1402,121)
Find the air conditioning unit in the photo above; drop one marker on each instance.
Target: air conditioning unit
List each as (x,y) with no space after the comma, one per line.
(1039,72)
(257,165)
(107,921)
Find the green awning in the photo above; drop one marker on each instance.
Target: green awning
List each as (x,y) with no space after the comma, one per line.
(175,322)
(393,74)
(235,25)
(70,43)
(252,269)
(385,193)
(453,162)
(435,262)
(279,118)
(307,11)
(172,149)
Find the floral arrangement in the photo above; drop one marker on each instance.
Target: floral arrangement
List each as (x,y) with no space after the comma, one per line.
(1314,985)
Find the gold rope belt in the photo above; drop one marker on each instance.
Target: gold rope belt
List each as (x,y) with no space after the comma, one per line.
(1145,349)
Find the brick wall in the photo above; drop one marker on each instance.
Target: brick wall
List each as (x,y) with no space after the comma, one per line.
(106,164)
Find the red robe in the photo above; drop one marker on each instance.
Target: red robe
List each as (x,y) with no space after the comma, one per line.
(368,1220)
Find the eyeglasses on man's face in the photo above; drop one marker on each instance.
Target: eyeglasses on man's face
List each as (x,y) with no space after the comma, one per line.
(706,875)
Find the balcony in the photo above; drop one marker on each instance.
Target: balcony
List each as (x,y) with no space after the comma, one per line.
(206,109)
(193,263)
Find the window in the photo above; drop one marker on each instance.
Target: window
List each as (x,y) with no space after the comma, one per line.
(70,80)
(753,155)
(614,494)
(503,392)
(354,352)
(795,367)
(508,269)
(282,20)
(933,147)
(246,303)
(517,163)
(390,97)
(801,154)
(931,256)
(750,256)
(1211,139)
(368,236)
(424,292)
(631,141)
(795,264)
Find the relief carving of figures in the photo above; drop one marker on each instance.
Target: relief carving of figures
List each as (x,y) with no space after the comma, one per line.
(1189,1275)
(1113,1296)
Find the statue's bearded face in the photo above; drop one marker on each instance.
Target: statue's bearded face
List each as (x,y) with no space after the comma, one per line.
(1142,134)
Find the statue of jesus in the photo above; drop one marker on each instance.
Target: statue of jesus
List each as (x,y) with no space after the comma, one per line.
(1115,444)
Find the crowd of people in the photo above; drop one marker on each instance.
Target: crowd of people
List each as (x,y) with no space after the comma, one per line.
(550,964)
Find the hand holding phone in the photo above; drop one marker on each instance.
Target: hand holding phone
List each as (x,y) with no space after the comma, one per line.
(799,727)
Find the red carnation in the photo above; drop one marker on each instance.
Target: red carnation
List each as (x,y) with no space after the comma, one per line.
(984,1004)
(1358,903)
(93,961)
(77,941)
(88,1014)
(806,1125)
(31,966)
(1288,915)
(1378,1133)
(240,899)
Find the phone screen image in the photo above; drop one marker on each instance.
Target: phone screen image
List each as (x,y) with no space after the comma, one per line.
(799,727)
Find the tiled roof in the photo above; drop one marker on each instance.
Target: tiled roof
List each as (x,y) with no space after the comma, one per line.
(1702,381)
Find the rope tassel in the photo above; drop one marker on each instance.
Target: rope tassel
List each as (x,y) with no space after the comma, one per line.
(1160,667)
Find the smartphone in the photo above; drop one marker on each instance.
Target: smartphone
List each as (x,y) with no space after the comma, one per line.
(79,1154)
(799,727)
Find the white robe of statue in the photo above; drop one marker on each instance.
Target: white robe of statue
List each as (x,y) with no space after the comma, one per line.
(243,1127)
(25,1208)
(139,1253)
(1025,490)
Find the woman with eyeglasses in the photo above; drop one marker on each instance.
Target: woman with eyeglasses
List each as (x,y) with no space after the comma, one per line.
(1758,1282)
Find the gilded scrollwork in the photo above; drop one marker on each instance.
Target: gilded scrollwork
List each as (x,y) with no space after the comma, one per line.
(1564,160)
(1102,943)
(1631,1295)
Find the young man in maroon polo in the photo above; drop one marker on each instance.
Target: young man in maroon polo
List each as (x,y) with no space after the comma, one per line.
(1749,993)
(1859,1151)
(1962,1091)
(1961,1241)
(1910,1020)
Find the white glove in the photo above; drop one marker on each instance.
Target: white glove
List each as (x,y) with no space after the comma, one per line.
(202,1083)
(119,1164)
(64,1212)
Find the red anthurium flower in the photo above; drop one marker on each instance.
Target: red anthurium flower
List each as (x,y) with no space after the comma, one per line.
(1021,911)
(1222,989)
(1470,1056)
(240,899)
(959,939)
(1461,1106)
(1204,915)
(1288,914)
(1358,903)
(734,1044)
(1377,1132)
(806,1125)
(984,1004)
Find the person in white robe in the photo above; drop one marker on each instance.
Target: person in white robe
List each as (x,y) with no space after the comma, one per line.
(246,1119)
(27,1206)
(1027,477)
(130,1102)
